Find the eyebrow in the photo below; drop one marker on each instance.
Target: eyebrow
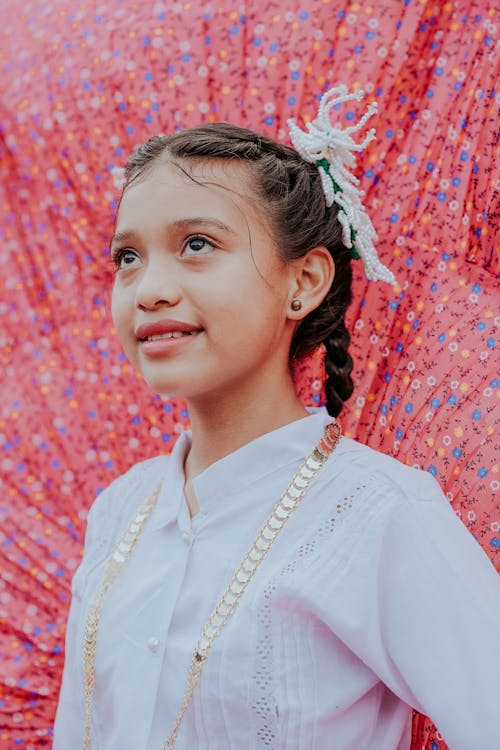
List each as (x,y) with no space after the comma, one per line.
(126,235)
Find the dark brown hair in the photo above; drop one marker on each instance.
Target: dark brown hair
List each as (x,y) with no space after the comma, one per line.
(293,201)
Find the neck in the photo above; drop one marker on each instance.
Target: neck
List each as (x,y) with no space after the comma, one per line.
(222,425)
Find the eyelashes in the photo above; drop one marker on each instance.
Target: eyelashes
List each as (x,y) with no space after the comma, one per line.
(118,257)
(194,245)
(195,242)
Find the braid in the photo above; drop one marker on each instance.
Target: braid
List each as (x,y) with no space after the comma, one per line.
(338,366)
(294,204)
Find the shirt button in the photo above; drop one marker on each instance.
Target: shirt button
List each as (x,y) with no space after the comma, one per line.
(187,538)
(153,644)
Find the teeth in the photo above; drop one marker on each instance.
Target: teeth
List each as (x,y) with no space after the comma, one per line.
(171,335)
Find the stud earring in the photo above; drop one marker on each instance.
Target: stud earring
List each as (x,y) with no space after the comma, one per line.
(296,305)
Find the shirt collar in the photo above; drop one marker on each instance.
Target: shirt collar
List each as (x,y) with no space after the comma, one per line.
(260,457)
(266,454)
(171,495)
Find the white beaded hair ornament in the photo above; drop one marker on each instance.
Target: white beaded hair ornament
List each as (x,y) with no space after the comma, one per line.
(332,150)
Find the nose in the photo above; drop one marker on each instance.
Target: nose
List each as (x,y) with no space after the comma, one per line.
(157,287)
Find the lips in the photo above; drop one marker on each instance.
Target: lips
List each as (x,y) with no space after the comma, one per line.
(164,330)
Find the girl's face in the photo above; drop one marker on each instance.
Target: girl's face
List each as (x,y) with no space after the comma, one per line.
(201,297)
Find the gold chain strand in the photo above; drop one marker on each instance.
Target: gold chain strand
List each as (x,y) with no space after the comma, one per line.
(229,601)
(284,508)
(116,561)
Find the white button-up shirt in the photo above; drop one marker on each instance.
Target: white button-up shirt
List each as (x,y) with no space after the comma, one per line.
(374,598)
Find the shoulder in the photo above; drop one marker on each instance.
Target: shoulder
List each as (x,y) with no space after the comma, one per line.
(117,495)
(115,505)
(385,511)
(383,476)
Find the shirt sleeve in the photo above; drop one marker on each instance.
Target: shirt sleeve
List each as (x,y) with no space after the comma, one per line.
(442,628)
(421,607)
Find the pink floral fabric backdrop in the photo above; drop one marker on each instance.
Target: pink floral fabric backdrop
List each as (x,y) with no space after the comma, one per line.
(81,84)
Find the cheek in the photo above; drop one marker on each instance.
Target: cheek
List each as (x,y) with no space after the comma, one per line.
(120,309)
(115,306)
(252,314)
(252,285)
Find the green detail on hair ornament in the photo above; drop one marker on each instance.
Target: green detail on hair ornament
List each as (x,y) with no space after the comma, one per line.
(337,189)
(354,253)
(326,166)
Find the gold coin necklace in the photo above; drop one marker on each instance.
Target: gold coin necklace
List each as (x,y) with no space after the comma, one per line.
(226,606)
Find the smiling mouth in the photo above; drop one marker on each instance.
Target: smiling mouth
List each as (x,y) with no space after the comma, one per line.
(170,335)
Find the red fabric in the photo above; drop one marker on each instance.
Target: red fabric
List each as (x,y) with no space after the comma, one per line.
(81,84)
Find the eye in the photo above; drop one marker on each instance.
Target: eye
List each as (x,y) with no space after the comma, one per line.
(197,246)
(124,258)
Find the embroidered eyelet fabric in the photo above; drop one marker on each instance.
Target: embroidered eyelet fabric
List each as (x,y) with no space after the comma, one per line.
(81,83)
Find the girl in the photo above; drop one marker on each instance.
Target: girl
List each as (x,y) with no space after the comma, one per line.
(270,584)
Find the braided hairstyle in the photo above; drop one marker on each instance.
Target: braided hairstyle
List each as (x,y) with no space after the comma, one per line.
(291,195)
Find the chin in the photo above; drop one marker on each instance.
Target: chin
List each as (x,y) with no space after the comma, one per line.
(165,391)
(174,388)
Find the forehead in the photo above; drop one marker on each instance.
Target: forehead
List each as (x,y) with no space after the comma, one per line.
(218,185)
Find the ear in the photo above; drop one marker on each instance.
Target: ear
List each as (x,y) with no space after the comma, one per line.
(314,274)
